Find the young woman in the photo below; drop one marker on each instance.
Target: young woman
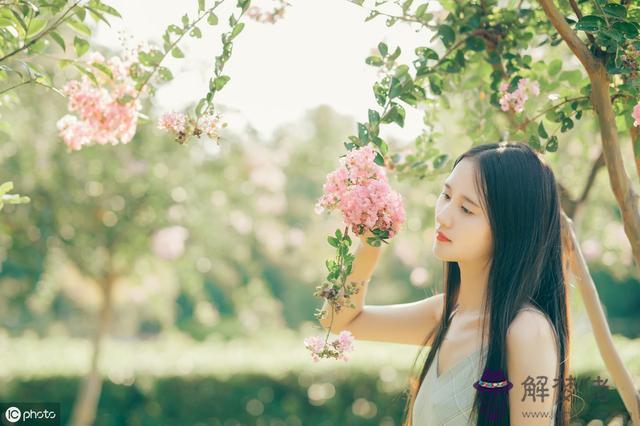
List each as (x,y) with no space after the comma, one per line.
(499,333)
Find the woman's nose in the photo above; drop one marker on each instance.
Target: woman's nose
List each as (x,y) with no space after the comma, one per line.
(443,218)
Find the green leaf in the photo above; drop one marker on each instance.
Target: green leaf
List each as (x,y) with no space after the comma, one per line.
(333,241)
(395,54)
(80,45)
(447,34)
(475,43)
(219,82)
(200,5)
(80,28)
(542,131)
(440,161)
(567,124)
(199,108)
(64,62)
(165,73)
(58,39)
(6,187)
(177,53)
(383,49)
(375,61)
(554,67)
(212,19)
(151,58)
(420,10)
(395,114)
(97,16)
(236,30)
(20,21)
(590,23)
(185,21)
(99,5)
(552,144)
(86,72)
(427,53)
(363,134)
(617,10)
(36,26)
(629,30)
(103,68)
(374,117)
(195,32)
(395,89)
(379,160)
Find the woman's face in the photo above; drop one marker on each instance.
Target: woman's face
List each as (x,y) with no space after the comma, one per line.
(460,217)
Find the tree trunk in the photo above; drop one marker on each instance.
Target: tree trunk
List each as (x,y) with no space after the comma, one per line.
(612,361)
(86,405)
(625,198)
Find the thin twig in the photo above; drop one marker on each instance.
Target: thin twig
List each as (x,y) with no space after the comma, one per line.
(42,34)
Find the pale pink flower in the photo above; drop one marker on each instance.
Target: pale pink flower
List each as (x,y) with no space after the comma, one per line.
(172,122)
(210,124)
(636,115)
(337,348)
(183,126)
(515,101)
(102,115)
(360,190)
(316,345)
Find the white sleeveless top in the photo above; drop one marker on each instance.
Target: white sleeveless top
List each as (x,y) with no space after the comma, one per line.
(447,400)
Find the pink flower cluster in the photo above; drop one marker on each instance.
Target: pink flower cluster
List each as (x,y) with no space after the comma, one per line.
(258,15)
(359,189)
(182,126)
(636,115)
(338,348)
(106,113)
(515,100)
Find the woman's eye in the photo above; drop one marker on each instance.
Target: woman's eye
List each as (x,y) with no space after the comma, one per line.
(466,211)
(444,195)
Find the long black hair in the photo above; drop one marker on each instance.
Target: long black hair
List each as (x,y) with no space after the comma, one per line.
(519,193)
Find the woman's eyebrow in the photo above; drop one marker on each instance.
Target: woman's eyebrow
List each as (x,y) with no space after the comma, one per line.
(464,196)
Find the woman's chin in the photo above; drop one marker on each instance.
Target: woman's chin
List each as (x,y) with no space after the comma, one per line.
(441,254)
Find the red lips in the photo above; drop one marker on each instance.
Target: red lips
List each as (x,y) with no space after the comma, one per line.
(441,237)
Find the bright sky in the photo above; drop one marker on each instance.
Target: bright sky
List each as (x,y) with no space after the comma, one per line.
(314,56)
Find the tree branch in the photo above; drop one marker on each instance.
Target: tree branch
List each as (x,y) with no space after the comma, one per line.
(578,13)
(42,34)
(570,205)
(568,35)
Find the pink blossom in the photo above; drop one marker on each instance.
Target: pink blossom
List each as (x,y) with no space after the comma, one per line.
(183,126)
(337,348)
(360,190)
(515,100)
(636,115)
(172,122)
(210,124)
(102,114)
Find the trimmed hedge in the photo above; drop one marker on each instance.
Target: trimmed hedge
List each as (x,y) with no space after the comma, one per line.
(250,399)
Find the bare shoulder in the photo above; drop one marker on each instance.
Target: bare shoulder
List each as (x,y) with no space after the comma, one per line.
(531,325)
(531,358)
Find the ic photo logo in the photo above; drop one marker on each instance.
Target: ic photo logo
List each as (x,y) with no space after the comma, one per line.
(30,413)
(12,414)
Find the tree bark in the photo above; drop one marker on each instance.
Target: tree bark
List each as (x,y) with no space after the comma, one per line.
(86,405)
